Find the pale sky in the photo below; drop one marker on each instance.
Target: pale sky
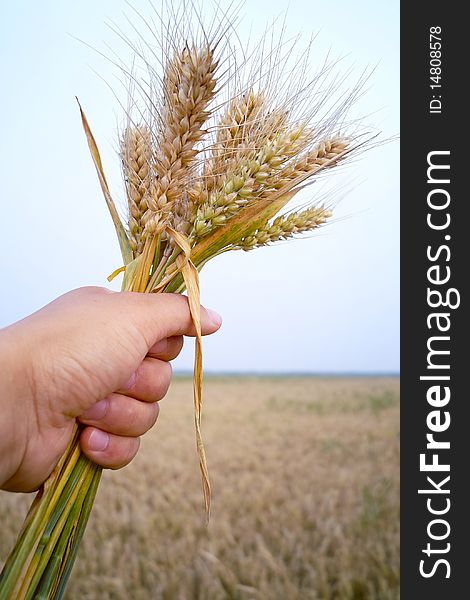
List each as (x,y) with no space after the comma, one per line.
(329,303)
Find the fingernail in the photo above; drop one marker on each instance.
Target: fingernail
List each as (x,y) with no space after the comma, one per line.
(97,411)
(214,317)
(98,440)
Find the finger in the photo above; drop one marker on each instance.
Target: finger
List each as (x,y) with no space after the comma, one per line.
(164,315)
(150,382)
(167,349)
(108,450)
(122,415)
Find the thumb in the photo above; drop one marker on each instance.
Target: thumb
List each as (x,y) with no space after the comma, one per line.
(165,315)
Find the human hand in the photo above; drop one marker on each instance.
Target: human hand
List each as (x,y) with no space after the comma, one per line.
(94,355)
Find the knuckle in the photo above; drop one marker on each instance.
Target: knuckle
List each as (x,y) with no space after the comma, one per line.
(130,414)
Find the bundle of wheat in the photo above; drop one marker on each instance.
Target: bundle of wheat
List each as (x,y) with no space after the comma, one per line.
(200,180)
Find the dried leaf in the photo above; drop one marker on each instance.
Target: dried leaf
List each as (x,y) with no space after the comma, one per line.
(191,280)
(115,273)
(126,251)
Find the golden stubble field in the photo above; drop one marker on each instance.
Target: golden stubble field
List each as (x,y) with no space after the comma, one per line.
(305,498)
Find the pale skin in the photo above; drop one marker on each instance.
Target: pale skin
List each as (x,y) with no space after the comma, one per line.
(95,356)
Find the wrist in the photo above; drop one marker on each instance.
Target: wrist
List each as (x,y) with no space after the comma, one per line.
(15,402)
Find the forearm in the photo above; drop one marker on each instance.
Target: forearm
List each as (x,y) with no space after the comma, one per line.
(14,402)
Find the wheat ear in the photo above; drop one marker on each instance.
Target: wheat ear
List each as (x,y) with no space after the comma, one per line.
(136,157)
(268,168)
(188,88)
(312,161)
(286,226)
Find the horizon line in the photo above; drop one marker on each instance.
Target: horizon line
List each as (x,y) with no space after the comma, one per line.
(247,373)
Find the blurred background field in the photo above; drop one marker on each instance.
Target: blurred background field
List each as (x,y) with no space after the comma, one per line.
(305,497)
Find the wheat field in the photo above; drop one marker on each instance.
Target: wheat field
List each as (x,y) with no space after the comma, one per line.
(305,498)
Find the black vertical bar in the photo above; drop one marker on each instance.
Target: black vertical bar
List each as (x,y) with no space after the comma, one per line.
(425,245)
